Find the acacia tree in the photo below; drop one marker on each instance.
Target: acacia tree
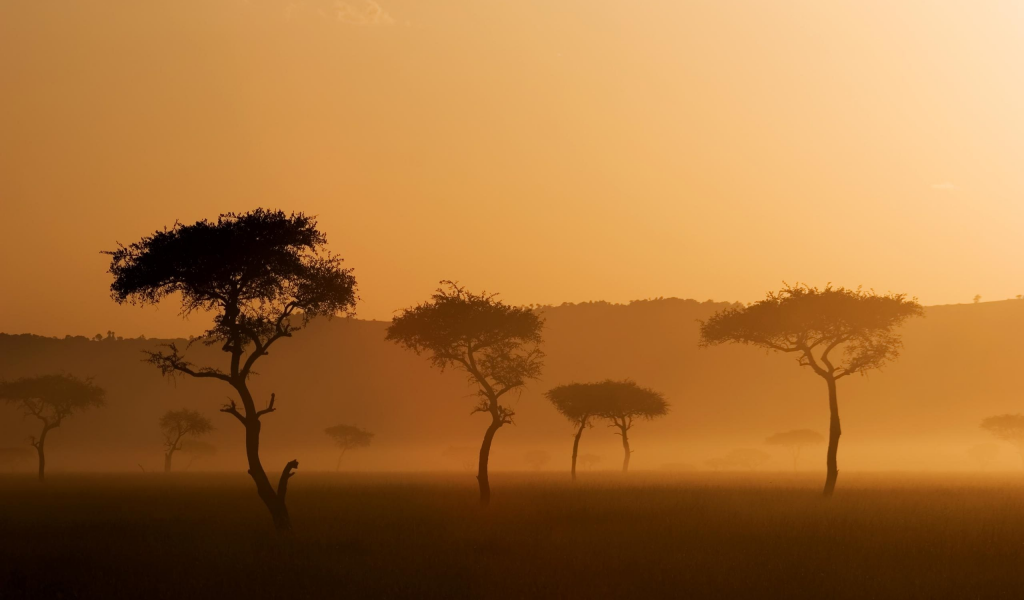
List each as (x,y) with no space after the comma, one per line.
(264,275)
(175,425)
(348,437)
(835,332)
(795,441)
(578,403)
(496,345)
(1009,428)
(622,402)
(50,399)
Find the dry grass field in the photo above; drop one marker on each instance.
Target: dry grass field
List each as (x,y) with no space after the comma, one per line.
(422,536)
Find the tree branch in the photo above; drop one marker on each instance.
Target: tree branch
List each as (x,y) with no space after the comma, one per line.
(232,409)
(269,409)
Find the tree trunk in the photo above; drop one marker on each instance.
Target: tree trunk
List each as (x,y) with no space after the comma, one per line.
(42,461)
(337,467)
(278,511)
(625,448)
(834,431)
(576,446)
(167,461)
(485,453)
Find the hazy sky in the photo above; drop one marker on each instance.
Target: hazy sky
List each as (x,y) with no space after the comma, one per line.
(555,150)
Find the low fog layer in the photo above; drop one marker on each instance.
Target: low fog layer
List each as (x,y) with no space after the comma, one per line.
(921,412)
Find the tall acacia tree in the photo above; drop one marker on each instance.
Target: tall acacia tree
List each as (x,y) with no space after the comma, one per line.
(263,274)
(623,402)
(496,345)
(175,425)
(50,399)
(833,331)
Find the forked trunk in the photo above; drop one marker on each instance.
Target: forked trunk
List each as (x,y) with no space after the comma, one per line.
(273,502)
(834,431)
(576,446)
(625,448)
(485,453)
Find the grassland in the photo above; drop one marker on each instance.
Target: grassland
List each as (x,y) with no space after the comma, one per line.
(420,536)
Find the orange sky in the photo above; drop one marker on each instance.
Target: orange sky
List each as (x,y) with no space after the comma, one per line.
(555,150)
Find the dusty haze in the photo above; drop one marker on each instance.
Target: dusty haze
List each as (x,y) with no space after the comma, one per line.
(922,412)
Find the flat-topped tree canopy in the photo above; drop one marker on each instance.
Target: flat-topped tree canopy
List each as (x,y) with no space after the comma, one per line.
(496,344)
(52,398)
(256,270)
(627,400)
(349,436)
(815,322)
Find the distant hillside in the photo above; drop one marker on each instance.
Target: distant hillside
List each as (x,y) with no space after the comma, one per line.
(959,365)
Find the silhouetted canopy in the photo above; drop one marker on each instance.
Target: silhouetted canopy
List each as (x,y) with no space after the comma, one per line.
(255,270)
(52,398)
(607,399)
(805,319)
(176,424)
(349,436)
(797,437)
(1009,428)
(496,344)
(624,400)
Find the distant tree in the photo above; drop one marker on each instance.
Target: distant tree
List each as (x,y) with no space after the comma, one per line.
(50,399)
(795,441)
(14,458)
(264,275)
(983,455)
(497,345)
(622,403)
(589,460)
(581,403)
(977,298)
(348,437)
(175,425)
(1009,428)
(537,459)
(747,458)
(196,450)
(813,323)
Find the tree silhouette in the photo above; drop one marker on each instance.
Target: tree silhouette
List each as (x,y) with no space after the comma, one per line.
(579,403)
(795,441)
(622,402)
(50,399)
(348,437)
(175,425)
(1009,428)
(498,346)
(983,455)
(264,275)
(815,323)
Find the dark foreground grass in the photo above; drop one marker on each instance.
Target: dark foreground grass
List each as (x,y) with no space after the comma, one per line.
(419,536)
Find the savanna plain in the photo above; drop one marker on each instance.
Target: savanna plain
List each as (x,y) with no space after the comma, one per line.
(404,535)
